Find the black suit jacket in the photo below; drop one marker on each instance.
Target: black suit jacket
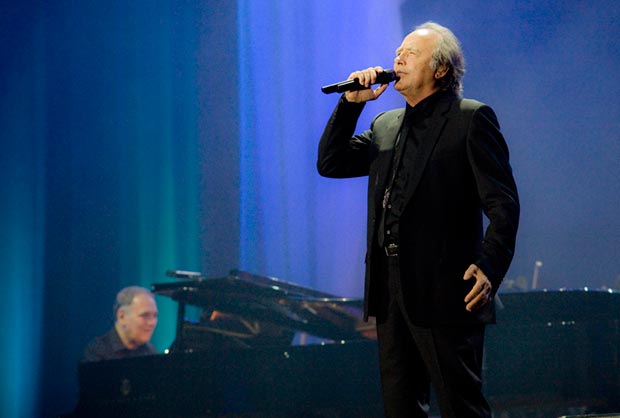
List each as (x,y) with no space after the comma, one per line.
(461,170)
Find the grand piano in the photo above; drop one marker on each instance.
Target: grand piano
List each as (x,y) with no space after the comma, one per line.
(264,347)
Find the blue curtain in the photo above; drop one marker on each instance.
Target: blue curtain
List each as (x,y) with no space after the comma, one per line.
(294,224)
(22,210)
(22,286)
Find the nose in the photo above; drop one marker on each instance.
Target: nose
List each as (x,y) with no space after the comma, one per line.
(399,58)
(150,320)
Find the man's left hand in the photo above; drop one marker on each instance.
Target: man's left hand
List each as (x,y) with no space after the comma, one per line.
(482,291)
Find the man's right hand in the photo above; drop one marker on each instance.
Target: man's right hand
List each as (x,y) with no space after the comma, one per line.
(366,78)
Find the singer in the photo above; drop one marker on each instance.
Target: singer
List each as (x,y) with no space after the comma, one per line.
(435,167)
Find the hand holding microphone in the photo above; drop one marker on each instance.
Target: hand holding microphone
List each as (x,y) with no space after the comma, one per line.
(357,87)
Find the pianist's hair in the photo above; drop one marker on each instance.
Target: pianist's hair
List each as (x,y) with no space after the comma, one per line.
(126,295)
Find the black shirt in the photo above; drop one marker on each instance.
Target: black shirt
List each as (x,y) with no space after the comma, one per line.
(109,347)
(415,122)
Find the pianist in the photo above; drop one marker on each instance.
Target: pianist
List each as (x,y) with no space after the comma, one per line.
(135,313)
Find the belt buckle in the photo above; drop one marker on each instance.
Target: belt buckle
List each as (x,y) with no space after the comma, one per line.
(391,250)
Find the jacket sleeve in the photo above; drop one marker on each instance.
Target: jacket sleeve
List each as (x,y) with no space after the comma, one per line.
(341,153)
(489,158)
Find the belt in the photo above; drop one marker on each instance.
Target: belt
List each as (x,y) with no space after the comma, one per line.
(391,249)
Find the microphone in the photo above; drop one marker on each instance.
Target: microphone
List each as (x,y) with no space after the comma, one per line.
(385,77)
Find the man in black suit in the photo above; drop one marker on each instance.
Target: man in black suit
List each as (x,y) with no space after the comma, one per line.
(434,168)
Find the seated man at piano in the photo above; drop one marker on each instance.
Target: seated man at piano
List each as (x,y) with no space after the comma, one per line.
(135,313)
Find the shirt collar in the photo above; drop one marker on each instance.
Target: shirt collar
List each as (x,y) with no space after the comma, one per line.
(426,106)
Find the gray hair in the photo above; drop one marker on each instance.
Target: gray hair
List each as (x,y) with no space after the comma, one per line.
(126,295)
(447,53)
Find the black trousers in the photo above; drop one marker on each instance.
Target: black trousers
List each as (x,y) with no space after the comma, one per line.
(412,358)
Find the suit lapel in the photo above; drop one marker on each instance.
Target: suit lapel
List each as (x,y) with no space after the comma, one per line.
(388,136)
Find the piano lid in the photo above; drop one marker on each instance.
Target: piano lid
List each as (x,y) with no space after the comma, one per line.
(266,299)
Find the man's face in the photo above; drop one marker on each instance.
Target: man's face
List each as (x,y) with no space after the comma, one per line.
(138,320)
(412,64)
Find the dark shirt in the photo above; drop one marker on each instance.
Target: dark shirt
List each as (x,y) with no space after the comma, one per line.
(414,124)
(110,347)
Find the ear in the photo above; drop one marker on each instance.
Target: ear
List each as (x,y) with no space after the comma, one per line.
(120,314)
(441,71)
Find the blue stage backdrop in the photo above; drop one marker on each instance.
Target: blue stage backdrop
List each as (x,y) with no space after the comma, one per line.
(142,136)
